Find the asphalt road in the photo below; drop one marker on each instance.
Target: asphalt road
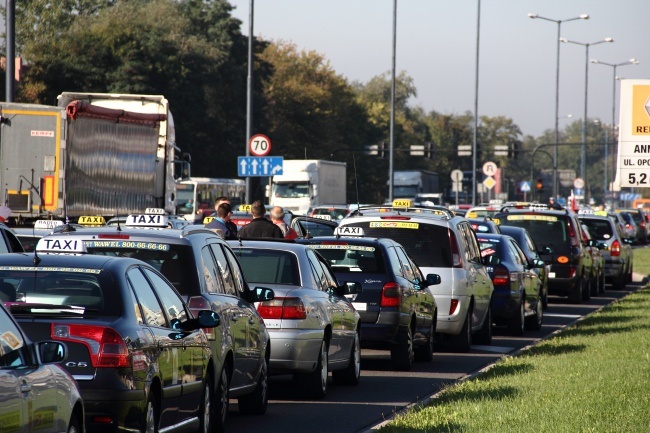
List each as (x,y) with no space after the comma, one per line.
(382,392)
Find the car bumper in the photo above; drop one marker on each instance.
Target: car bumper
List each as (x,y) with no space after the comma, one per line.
(505,304)
(124,409)
(450,323)
(295,350)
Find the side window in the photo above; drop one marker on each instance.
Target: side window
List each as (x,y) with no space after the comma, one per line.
(531,244)
(4,248)
(172,302)
(13,242)
(417,272)
(515,253)
(212,277)
(394,261)
(329,277)
(237,273)
(321,280)
(468,241)
(152,312)
(226,274)
(406,265)
(12,353)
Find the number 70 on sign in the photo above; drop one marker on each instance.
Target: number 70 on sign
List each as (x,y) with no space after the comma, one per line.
(259,145)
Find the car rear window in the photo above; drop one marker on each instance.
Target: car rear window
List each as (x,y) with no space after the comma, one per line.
(546,230)
(268,266)
(90,289)
(598,229)
(427,244)
(490,250)
(344,257)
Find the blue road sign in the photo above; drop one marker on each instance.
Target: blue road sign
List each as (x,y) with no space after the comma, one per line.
(259,165)
(524,186)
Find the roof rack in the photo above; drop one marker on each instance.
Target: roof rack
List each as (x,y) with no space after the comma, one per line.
(531,206)
(431,210)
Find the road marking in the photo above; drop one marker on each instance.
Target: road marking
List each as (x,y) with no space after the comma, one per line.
(495,349)
(568,316)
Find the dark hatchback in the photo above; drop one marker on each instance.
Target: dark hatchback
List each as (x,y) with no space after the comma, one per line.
(517,299)
(141,360)
(397,311)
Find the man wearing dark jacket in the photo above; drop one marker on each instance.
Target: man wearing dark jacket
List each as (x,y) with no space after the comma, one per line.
(260,226)
(221,220)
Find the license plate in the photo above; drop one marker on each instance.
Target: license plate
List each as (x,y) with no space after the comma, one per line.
(551,274)
(359,306)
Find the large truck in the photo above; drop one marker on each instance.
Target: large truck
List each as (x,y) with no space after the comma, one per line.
(305,183)
(92,154)
(415,184)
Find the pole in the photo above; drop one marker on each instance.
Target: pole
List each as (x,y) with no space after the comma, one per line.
(249,93)
(614,120)
(584,118)
(557,110)
(392,107)
(10,65)
(474,143)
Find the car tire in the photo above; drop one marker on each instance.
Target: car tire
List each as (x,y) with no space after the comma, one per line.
(257,401)
(484,335)
(545,299)
(206,412)
(534,322)
(463,341)
(350,375)
(601,283)
(575,295)
(620,282)
(424,353)
(151,414)
(74,426)
(314,384)
(220,402)
(516,325)
(595,285)
(401,354)
(586,290)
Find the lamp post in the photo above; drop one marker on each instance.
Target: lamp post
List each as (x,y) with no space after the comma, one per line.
(557,88)
(584,118)
(392,108)
(249,91)
(632,61)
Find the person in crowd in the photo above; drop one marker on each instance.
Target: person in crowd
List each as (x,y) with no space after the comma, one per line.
(552,204)
(277,217)
(220,222)
(260,226)
(232,227)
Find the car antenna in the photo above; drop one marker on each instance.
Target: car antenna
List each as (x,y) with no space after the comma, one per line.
(356,180)
(117,215)
(36,259)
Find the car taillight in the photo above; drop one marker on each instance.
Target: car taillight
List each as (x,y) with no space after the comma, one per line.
(615,249)
(390,296)
(113,236)
(452,306)
(107,348)
(501,277)
(282,308)
(456,260)
(572,235)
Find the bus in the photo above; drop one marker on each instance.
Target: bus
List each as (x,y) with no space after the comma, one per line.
(196,196)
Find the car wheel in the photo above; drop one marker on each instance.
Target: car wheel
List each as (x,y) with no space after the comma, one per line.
(256,402)
(516,324)
(463,341)
(220,403)
(594,285)
(425,352)
(534,322)
(401,354)
(314,384)
(575,295)
(484,336)
(619,282)
(206,413)
(586,290)
(150,422)
(75,425)
(545,299)
(601,283)
(351,374)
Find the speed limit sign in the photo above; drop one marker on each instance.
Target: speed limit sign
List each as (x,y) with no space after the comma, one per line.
(259,145)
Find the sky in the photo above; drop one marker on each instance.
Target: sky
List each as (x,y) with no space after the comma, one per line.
(436,45)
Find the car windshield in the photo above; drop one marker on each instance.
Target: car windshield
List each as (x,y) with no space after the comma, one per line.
(269,266)
(291,190)
(427,244)
(352,258)
(85,288)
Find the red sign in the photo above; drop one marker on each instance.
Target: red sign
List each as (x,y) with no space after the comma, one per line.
(259,145)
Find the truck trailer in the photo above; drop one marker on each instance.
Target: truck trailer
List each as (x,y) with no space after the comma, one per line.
(306,183)
(411,184)
(92,154)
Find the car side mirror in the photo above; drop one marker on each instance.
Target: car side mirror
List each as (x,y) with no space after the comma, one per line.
(51,352)
(433,279)
(260,294)
(352,288)
(204,319)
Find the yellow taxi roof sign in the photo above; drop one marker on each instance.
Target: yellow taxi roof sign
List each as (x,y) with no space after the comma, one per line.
(208,220)
(401,202)
(94,220)
(244,208)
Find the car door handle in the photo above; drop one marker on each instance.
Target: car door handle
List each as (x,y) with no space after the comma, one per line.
(25,387)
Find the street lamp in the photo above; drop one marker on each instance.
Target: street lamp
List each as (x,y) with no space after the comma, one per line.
(632,61)
(584,119)
(557,88)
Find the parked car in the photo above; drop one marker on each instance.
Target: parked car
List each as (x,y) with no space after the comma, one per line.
(530,249)
(640,217)
(517,299)
(615,247)
(35,393)
(204,270)
(558,236)
(630,225)
(330,212)
(314,328)
(397,311)
(140,358)
(444,244)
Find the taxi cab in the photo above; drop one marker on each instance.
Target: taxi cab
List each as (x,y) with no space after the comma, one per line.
(141,359)
(205,271)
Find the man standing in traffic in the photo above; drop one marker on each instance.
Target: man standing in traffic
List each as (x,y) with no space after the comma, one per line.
(232,227)
(260,226)
(220,222)
(277,217)
(552,204)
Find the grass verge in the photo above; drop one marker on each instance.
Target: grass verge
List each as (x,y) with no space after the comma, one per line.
(592,377)
(642,260)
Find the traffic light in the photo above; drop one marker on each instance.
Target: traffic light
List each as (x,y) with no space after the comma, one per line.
(539,185)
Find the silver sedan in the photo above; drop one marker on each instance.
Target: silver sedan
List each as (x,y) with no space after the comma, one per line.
(314,328)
